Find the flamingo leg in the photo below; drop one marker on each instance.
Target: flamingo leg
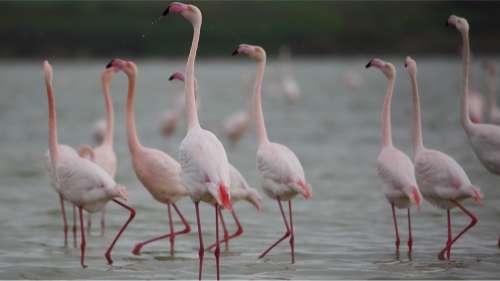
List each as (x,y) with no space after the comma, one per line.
(201,250)
(471,224)
(82,241)
(138,247)
(130,218)
(171,239)
(292,232)
(103,220)
(395,226)
(217,248)
(237,233)
(75,242)
(224,228)
(410,237)
(286,235)
(65,221)
(446,254)
(89,223)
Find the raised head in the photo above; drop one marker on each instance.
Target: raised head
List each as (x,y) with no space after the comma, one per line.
(386,67)
(411,66)
(255,52)
(127,67)
(176,76)
(189,12)
(459,23)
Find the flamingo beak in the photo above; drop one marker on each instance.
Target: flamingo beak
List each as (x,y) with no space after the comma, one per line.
(110,64)
(368,64)
(416,197)
(235,52)
(224,196)
(306,190)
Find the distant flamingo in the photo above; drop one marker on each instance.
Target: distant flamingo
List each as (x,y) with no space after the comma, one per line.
(441,179)
(157,171)
(205,168)
(236,125)
(289,84)
(394,167)
(78,179)
(494,112)
(484,138)
(170,118)
(282,175)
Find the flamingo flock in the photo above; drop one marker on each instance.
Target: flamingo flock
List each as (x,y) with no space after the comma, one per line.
(85,177)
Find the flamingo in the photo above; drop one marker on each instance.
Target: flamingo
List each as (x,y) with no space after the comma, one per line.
(239,189)
(484,138)
(442,181)
(494,112)
(157,171)
(282,175)
(205,168)
(78,179)
(394,167)
(236,125)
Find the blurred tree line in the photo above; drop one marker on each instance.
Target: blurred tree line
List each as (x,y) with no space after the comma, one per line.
(125,28)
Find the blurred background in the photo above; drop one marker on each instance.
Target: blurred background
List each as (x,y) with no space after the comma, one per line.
(98,28)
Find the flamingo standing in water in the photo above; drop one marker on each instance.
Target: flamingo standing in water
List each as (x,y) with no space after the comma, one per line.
(484,138)
(281,173)
(394,167)
(79,180)
(157,171)
(239,190)
(205,168)
(441,179)
(493,112)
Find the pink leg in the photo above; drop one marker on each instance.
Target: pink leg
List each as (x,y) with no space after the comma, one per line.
(217,249)
(65,221)
(446,254)
(201,250)
(103,220)
(395,226)
(83,242)
(224,228)
(75,242)
(410,237)
(138,247)
(237,233)
(286,235)
(130,218)
(471,224)
(171,225)
(292,232)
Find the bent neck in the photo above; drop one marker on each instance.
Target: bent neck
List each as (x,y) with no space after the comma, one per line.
(417,121)
(259,114)
(133,140)
(108,136)
(53,144)
(386,113)
(192,114)
(466,122)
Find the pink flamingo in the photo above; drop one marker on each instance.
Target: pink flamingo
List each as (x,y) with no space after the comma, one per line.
(441,179)
(78,179)
(158,172)
(281,173)
(205,168)
(239,190)
(484,138)
(394,167)
(494,112)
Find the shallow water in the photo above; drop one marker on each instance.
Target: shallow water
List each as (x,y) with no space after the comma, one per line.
(345,231)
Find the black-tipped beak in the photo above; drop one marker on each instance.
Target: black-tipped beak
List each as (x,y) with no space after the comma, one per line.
(368,64)
(165,12)
(171,77)
(235,52)
(110,64)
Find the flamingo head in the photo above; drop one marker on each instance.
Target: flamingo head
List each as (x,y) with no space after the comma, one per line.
(48,73)
(459,23)
(386,67)
(304,189)
(255,52)
(176,76)
(108,72)
(411,66)
(128,67)
(189,12)
(120,191)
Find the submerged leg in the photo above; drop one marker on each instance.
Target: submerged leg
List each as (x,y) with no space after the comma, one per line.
(75,242)
(224,228)
(65,221)
(394,219)
(446,254)
(286,235)
(201,250)
(103,220)
(238,232)
(171,239)
(130,218)
(217,248)
(471,224)
(410,237)
(83,242)
(292,232)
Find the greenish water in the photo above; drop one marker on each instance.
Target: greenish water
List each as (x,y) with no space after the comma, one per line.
(344,232)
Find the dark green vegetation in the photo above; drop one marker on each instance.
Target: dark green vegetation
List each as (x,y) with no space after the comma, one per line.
(91,28)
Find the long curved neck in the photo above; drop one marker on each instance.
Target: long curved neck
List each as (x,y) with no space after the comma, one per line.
(53,144)
(492,85)
(386,113)
(190,85)
(466,122)
(417,120)
(133,140)
(259,114)
(108,136)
